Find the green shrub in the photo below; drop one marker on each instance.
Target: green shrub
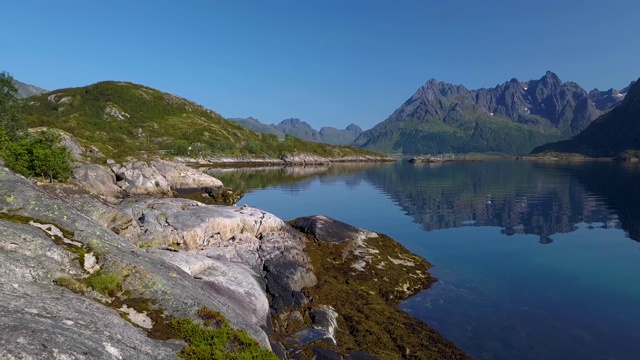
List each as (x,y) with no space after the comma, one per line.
(106,284)
(217,340)
(40,155)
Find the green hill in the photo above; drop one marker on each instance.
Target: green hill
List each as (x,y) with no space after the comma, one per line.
(124,119)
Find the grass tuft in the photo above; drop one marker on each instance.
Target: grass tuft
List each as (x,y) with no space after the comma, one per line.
(71,284)
(106,284)
(216,339)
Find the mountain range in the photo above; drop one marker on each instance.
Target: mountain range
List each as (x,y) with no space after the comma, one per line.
(544,115)
(610,135)
(513,117)
(303,130)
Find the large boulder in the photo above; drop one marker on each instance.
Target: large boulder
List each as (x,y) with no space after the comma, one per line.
(138,178)
(239,283)
(196,226)
(327,229)
(243,235)
(98,180)
(181,176)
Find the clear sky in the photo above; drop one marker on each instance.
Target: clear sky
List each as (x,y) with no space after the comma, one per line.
(327,62)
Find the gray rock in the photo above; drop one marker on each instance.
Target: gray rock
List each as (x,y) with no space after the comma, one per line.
(240,284)
(137,178)
(94,207)
(287,268)
(41,320)
(304,159)
(326,229)
(98,180)
(325,319)
(244,235)
(181,176)
(198,226)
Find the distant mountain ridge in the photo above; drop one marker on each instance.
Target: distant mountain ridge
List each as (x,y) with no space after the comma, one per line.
(302,130)
(606,100)
(512,117)
(26,90)
(611,134)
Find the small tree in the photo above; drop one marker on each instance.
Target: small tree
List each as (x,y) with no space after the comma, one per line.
(41,155)
(49,159)
(17,156)
(10,119)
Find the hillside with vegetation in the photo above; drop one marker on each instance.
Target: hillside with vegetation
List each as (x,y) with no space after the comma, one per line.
(124,119)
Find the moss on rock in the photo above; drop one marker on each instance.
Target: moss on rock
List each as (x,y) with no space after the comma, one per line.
(364,281)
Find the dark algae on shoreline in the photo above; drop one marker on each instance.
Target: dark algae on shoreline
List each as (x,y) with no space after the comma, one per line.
(364,276)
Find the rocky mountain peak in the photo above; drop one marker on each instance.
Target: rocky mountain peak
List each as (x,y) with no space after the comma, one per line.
(609,135)
(441,117)
(354,130)
(291,122)
(626,90)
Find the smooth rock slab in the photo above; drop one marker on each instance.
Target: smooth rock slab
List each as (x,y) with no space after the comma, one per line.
(43,321)
(143,274)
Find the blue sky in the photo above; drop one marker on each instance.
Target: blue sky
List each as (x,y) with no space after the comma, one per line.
(327,62)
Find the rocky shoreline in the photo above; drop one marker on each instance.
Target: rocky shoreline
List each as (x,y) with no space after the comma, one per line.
(285,160)
(106,266)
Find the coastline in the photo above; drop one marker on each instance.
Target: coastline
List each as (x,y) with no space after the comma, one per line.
(180,251)
(287,160)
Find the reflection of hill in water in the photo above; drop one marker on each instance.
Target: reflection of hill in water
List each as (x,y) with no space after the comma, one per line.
(517,196)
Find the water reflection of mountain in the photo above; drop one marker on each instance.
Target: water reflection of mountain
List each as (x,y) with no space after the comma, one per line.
(520,197)
(618,185)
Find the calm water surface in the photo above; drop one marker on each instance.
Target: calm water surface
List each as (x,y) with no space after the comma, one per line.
(534,261)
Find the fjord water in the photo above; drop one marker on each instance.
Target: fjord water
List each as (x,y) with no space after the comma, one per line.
(534,260)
